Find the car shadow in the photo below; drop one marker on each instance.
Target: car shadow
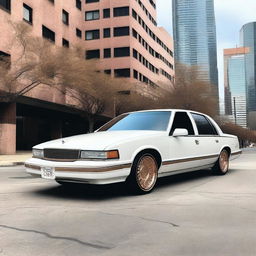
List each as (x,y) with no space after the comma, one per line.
(85,191)
(118,190)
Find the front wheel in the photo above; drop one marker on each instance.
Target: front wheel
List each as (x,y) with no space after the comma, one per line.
(144,174)
(221,167)
(64,183)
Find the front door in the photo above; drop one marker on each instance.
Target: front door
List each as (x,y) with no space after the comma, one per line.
(184,151)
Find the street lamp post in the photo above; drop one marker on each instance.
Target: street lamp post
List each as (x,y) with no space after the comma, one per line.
(234,102)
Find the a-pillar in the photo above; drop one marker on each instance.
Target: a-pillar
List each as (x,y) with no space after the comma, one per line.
(7,128)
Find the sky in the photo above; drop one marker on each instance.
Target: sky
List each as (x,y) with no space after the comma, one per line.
(230,15)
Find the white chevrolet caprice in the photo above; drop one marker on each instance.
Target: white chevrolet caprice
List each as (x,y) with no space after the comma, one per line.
(137,148)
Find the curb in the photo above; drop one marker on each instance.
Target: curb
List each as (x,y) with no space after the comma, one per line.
(10,164)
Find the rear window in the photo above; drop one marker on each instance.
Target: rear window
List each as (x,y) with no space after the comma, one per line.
(204,126)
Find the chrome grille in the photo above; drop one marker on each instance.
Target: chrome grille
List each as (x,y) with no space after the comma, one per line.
(61,154)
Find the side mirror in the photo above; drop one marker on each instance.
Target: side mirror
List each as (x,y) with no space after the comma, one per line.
(180,132)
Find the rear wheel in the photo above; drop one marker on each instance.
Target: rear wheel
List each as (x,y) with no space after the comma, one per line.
(144,174)
(221,167)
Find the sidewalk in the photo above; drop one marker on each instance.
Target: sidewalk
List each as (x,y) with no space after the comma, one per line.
(18,159)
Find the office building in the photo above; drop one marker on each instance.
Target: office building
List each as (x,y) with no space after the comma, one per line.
(122,34)
(194,34)
(248,39)
(235,85)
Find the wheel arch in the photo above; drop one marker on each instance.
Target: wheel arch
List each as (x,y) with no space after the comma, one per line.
(228,150)
(153,151)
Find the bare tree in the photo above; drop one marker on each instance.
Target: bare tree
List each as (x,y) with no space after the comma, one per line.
(243,134)
(99,98)
(41,63)
(190,92)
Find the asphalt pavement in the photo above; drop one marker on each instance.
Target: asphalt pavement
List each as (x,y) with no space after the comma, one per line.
(186,215)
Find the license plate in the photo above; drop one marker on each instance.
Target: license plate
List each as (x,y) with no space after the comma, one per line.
(48,173)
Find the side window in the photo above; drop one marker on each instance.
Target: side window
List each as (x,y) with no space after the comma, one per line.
(182,121)
(203,125)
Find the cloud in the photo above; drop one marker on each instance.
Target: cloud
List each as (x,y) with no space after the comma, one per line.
(231,15)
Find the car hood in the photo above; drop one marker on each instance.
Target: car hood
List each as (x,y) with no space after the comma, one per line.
(97,140)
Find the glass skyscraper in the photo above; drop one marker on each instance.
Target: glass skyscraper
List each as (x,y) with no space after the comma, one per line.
(194,33)
(235,84)
(237,87)
(248,39)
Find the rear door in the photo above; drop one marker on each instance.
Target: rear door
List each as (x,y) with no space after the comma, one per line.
(207,138)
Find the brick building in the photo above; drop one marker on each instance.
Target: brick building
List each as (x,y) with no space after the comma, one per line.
(122,34)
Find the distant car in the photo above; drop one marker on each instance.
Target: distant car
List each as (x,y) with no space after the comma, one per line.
(137,148)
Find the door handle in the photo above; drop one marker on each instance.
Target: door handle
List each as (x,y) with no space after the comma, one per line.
(197,142)
(217,141)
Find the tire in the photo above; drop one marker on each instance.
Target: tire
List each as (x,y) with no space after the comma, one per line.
(143,175)
(64,183)
(221,167)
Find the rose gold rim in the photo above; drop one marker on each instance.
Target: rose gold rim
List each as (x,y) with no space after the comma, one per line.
(146,173)
(224,161)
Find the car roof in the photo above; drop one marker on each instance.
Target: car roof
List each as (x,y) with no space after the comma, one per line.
(173,109)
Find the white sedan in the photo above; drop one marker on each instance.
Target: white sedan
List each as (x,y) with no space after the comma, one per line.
(137,148)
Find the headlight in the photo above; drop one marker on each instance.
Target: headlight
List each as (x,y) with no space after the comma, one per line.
(89,154)
(38,153)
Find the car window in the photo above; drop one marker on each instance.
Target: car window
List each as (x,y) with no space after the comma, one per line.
(182,121)
(150,120)
(204,126)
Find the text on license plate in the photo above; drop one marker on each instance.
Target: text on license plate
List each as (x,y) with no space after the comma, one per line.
(48,173)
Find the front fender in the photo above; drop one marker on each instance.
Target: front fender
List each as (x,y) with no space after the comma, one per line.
(144,147)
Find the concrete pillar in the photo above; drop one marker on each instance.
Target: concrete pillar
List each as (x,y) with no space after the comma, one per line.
(7,128)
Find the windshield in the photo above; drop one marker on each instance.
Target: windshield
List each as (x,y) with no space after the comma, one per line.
(151,121)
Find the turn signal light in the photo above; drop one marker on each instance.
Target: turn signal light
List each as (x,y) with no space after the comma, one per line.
(113,154)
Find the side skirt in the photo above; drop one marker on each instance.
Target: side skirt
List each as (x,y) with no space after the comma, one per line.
(164,174)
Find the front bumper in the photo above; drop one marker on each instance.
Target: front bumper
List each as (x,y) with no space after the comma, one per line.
(91,172)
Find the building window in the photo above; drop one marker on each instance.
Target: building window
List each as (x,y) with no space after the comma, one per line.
(65,17)
(6,4)
(124,72)
(107,71)
(78,33)
(106,32)
(152,3)
(52,1)
(27,13)
(135,54)
(65,43)
(122,31)
(92,15)
(122,52)
(107,53)
(135,74)
(106,13)
(91,1)
(78,4)
(5,60)
(92,34)
(134,14)
(93,54)
(48,34)
(121,11)
(134,33)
